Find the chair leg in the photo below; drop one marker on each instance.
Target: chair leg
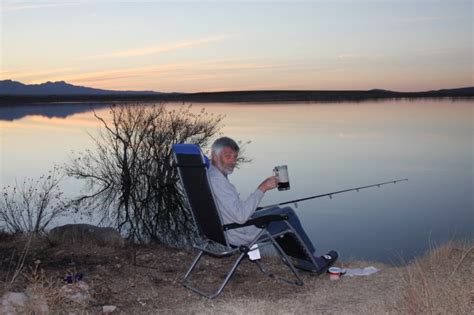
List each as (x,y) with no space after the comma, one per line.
(211,295)
(284,257)
(263,270)
(193,265)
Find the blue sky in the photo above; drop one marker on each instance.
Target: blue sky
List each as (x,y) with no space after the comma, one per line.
(239,45)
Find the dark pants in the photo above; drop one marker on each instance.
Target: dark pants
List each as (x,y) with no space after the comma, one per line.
(279,226)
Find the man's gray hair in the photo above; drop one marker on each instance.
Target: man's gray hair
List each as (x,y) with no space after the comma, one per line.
(224,142)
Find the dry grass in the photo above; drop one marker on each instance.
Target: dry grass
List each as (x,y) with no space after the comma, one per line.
(439,283)
(318,295)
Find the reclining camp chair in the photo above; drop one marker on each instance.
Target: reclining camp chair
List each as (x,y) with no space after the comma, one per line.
(192,168)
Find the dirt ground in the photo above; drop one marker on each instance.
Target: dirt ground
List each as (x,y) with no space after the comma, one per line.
(147,280)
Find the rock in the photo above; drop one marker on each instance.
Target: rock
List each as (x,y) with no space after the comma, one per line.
(38,305)
(79,292)
(13,303)
(86,234)
(37,301)
(23,303)
(106,309)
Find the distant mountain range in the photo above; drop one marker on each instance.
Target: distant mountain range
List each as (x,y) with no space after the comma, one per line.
(12,92)
(9,87)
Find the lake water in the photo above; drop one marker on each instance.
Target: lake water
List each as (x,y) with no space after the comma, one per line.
(327,147)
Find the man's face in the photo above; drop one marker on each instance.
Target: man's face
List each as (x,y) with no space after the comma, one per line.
(226,160)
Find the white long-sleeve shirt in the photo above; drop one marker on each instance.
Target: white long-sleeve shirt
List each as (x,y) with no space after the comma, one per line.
(232,208)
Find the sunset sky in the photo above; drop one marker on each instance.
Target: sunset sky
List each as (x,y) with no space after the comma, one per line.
(190,46)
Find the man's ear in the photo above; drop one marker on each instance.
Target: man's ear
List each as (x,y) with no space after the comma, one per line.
(213,157)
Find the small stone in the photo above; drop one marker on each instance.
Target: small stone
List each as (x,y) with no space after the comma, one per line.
(37,302)
(106,309)
(14,298)
(38,306)
(13,303)
(78,292)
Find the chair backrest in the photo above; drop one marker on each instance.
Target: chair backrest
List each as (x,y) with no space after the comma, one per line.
(192,169)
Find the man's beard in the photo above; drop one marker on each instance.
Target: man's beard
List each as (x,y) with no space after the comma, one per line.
(227,171)
(223,169)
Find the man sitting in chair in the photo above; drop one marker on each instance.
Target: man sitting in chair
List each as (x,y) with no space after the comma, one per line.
(224,155)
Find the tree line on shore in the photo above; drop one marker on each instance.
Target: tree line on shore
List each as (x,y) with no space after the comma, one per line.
(262,96)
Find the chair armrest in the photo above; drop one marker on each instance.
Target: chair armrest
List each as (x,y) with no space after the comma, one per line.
(260,222)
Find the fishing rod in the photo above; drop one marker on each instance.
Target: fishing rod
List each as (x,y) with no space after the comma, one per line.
(333,193)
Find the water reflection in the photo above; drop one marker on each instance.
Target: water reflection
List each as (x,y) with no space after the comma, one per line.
(58,110)
(327,147)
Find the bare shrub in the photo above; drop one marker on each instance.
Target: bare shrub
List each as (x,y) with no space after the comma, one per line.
(26,210)
(31,206)
(130,176)
(42,290)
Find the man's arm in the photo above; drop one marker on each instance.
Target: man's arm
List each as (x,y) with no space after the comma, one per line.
(269,183)
(232,208)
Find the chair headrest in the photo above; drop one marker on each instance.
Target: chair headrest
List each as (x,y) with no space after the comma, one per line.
(189,148)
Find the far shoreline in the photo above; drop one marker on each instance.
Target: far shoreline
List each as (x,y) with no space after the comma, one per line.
(240,97)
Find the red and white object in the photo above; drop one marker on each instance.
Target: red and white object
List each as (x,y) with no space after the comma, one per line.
(335,273)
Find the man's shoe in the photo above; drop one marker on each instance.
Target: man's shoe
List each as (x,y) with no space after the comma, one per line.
(326,261)
(323,262)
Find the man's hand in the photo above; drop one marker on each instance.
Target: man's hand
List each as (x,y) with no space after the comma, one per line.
(269,183)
